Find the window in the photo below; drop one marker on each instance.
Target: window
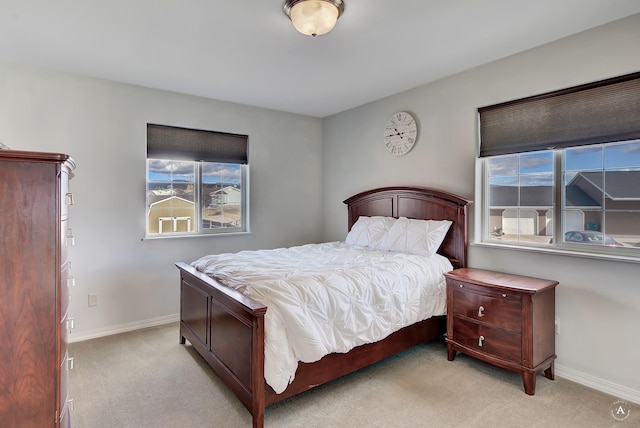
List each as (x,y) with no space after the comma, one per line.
(598,200)
(562,170)
(196,182)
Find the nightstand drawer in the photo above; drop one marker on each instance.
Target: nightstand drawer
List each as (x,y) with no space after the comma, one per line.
(489,340)
(498,309)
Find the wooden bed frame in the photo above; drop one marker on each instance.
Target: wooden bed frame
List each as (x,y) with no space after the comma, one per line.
(227,328)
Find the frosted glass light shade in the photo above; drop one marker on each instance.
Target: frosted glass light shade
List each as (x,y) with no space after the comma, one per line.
(314,17)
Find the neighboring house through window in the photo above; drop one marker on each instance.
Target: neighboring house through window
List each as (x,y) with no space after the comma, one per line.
(196,182)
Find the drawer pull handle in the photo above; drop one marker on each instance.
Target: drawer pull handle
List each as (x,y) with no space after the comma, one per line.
(461,286)
(504,295)
(70,239)
(480,340)
(480,312)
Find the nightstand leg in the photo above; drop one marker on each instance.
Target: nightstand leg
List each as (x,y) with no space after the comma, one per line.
(529,382)
(451,353)
(548,373)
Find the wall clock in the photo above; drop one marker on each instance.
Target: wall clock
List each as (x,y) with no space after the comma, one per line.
(401,133)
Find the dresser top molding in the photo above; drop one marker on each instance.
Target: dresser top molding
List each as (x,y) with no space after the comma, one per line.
(500,280)
(27,156)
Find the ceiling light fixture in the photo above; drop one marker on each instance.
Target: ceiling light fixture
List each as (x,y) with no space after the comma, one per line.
(313,17)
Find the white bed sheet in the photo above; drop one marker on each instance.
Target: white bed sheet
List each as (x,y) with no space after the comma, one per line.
(330,297)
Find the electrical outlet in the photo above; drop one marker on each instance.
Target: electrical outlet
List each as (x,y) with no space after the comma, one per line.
(557,325)
(93,300)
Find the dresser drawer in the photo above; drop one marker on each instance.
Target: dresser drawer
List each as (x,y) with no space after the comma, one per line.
(66,325)
(501,310)
(488,340)
(66,197)
(65,295)
(64,248)
(64,382)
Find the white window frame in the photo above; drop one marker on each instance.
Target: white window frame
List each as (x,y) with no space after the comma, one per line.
(199,231)
(482,236)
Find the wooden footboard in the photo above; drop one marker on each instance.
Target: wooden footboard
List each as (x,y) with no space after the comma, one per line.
(227,330)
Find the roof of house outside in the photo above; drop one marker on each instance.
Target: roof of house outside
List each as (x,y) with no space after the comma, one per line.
(620,185)
(225,190)
(172,197)
(616,185)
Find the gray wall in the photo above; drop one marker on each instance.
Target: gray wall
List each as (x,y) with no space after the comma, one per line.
(598,302)
(103,126)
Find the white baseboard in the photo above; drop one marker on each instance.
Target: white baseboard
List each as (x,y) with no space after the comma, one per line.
(123,328)
(618,391)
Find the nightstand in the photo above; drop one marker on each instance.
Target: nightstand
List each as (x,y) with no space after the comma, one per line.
(502,319)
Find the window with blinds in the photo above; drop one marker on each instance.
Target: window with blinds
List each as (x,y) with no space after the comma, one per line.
(562,169)
(196,182)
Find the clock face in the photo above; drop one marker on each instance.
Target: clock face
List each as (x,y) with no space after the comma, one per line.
(401,133)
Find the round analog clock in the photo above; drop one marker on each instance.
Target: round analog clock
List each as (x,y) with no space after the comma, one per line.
(401,133)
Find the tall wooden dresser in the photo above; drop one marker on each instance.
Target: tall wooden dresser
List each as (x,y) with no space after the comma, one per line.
(34,289)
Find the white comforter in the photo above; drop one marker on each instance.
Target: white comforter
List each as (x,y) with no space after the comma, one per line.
(330,297)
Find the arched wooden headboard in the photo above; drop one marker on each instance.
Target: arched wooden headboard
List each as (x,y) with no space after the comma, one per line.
(418,203)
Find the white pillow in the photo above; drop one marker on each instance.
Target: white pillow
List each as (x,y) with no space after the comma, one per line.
(422,237)
(369,231)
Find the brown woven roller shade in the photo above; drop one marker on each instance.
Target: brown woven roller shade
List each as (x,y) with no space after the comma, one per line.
(600,112)
(170,142)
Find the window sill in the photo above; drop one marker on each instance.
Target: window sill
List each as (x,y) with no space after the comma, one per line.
(189,236)
(560,252)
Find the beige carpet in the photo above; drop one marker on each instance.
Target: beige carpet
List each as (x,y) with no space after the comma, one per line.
(146,378)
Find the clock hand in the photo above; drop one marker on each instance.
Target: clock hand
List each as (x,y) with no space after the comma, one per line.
(397,133)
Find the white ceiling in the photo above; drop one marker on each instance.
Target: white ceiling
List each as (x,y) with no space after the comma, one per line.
(247,51)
